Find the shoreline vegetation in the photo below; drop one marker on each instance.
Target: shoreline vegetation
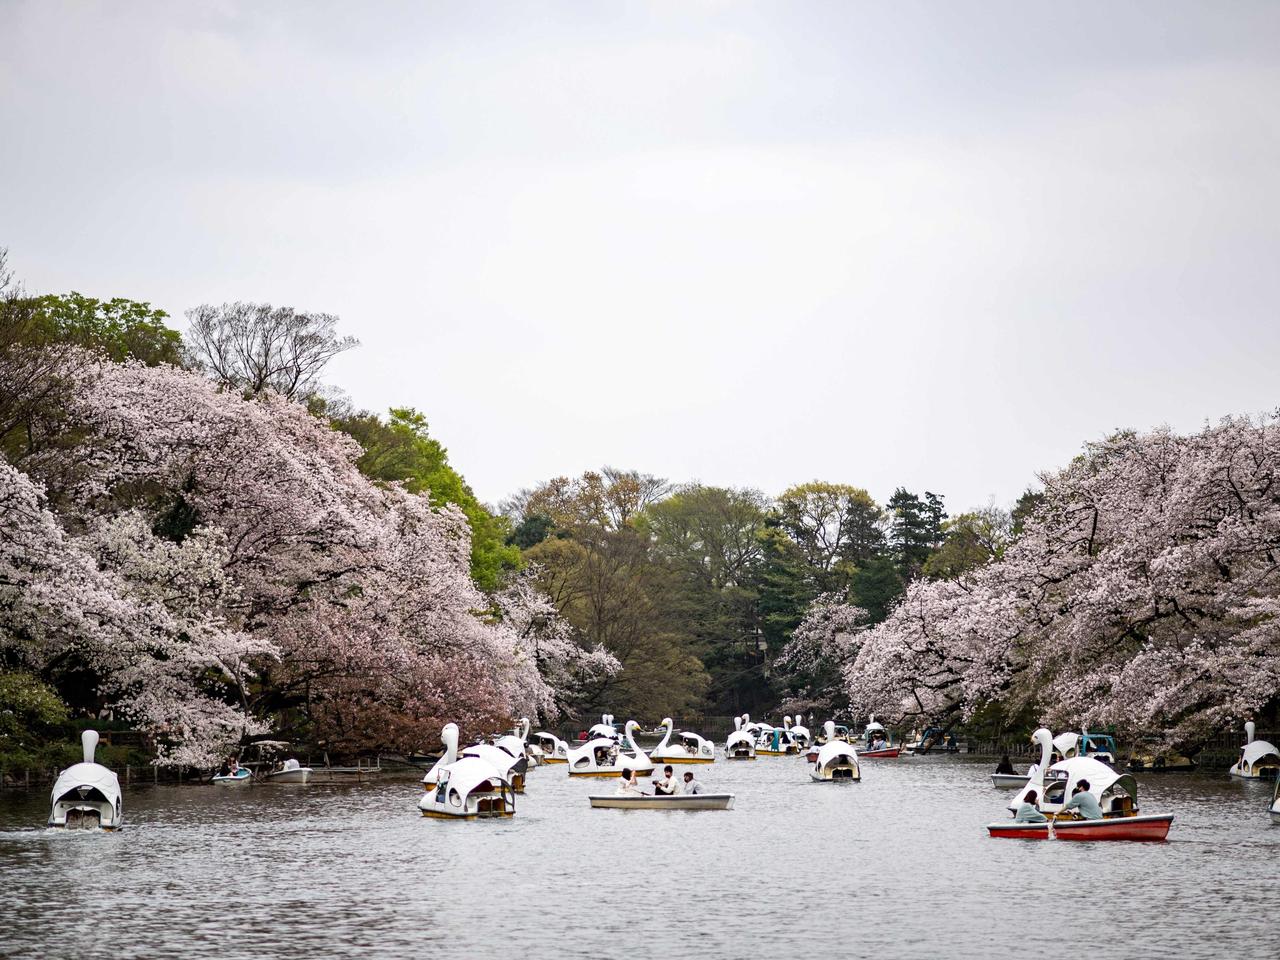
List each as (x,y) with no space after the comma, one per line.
(205,548)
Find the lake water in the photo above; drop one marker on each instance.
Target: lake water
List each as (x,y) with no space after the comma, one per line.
(898,865)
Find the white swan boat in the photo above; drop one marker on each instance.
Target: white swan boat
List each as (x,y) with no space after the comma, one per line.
(679,801)
(290,772)
(516,744)
(86,795)
(692,748)
(1116,793)
(775,742)
(740,745)
(467,789)
(837,761)
(800,733)
(604,728)
(603,757)
(1258,760)
(554,750)
(511,769)
(1035,774)
(448,737)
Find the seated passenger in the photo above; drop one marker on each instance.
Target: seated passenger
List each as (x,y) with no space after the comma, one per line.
(628,784)
(667,786)
(1028,812)
(1005,765)
(691,786)
(1084,802)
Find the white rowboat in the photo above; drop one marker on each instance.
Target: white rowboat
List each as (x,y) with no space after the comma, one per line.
(680,801)
(1009,781)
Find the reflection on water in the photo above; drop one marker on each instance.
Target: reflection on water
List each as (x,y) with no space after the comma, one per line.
(896,866)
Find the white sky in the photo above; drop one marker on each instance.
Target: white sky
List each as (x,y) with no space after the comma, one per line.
(937,245)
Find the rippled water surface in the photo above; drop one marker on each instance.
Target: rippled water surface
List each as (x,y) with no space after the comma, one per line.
(896,866)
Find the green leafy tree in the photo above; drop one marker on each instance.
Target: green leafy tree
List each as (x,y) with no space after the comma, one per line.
(31,720)
(1022,511)
(835,525)
(121,329)
(875,586)
(709,539)
(915,530)
(401,449)
(971,540)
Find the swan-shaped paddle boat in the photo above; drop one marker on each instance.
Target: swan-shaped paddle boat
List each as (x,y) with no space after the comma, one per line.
(554,750)
(740,745)
(603,757)
(1034,779)
(837,761)
(1065,746)
(448,737)
(800,733)
(604,728)
(1275,801)
(511,769)
(516,744)
(1258,758)
(1116,793)
(875,733)
(290,772)
(841,732)
(749,727)
(86,795)
(691,748)
(467,789)
(775,742)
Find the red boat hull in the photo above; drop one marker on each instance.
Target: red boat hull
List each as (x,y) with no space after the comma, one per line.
(890,752)
(1142,828)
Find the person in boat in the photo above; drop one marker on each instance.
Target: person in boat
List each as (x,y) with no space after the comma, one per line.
(668,786)
(1028,812)
(1083,802)
(691,786)
(225,769)
(878,743)
(1005,765)
(628,784)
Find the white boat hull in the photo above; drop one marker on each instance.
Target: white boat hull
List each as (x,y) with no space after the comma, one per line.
(71,814)
(300,775)
(697,801)
(1009,781)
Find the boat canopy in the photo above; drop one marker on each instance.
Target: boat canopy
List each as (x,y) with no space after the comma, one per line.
(1067,744)
(604,728)
(500,760)
(87,776)
(832,750)
(465,776)
(739,736)
(1101,778)
(1256,750)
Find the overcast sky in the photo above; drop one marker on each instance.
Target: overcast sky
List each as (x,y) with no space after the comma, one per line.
(936,245)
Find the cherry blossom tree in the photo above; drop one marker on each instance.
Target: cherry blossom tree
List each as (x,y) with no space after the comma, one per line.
(240,578)
(1142,592)
(824,644)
